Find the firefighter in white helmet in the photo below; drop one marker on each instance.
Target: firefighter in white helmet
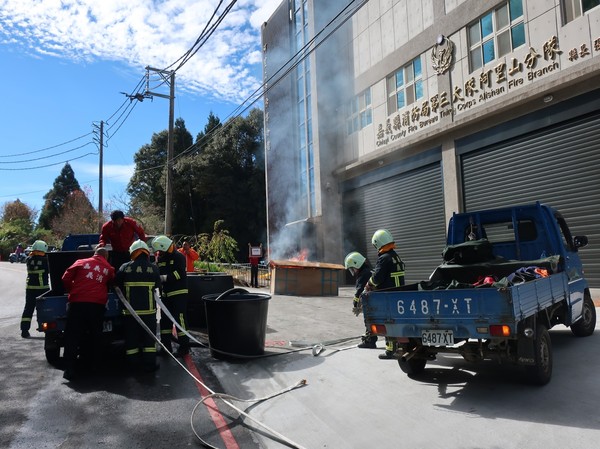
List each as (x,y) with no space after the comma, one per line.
(388,274)
(360,269)
(36,283)
(172,266)
(138,279)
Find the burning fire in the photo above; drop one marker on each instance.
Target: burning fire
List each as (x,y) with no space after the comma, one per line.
(302,256)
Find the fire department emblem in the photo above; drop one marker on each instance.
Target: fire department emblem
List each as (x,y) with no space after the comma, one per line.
(442,54)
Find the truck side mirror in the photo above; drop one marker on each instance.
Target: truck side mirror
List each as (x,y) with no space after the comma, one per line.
(579,241)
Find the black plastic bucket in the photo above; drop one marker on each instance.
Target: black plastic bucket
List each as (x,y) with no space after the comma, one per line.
(200,285)
(237,323)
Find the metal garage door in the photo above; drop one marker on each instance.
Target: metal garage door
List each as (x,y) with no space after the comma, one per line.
(559,166)
(411,206)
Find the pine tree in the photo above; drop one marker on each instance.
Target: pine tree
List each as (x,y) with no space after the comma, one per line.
(63,186)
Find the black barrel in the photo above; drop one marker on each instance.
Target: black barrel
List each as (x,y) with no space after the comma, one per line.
(237,323)
(58,262)
(200,285)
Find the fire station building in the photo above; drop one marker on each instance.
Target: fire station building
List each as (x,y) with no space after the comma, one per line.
(396,113)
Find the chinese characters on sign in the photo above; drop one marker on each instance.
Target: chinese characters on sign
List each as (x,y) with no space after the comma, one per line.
(490,83)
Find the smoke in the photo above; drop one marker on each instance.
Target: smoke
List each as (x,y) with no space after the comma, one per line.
(302,141)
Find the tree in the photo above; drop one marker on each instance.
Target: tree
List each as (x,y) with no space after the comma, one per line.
(147,186)
(63,186)
(218,247)
(77,216)
(227,178)
(16,226)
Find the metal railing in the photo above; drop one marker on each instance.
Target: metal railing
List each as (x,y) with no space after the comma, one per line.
(241,273)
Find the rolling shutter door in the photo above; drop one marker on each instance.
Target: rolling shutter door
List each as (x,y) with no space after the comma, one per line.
(411,207)
(559,166)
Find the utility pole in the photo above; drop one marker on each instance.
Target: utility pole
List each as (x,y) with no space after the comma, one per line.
(169,78)
(100,179)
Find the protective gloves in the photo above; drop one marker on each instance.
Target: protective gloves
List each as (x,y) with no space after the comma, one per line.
(356,306)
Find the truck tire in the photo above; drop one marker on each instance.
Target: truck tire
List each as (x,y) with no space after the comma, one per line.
(412,366)
(52,347)
(53,356)
(586,325)
(541,372)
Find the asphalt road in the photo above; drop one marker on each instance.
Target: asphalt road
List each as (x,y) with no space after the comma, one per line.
(351,398)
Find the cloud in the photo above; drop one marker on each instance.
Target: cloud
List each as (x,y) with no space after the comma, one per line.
(147,32)
(113,173)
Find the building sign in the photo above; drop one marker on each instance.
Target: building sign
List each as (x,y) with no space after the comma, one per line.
(476,90)
(442,55)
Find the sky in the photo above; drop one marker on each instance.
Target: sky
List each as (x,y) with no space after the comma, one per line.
(66,63)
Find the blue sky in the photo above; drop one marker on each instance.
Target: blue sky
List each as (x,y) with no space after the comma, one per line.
(65,63)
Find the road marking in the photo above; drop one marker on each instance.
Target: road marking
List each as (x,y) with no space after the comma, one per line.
(213,409)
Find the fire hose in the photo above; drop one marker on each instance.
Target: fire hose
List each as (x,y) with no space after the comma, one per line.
(317,348)
(213,394)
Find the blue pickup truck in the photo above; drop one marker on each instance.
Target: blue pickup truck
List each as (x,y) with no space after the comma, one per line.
(507,276)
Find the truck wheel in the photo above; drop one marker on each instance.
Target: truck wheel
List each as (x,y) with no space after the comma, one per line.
(586,325)
(53,356)
(541,372)
(412,366)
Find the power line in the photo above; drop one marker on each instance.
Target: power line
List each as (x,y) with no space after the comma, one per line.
(48,165)
(47,148)
(291,64)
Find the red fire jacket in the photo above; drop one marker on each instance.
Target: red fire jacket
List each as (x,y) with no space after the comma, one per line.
(121,238)
(87,280)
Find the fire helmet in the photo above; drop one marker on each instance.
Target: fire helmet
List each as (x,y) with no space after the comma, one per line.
(354,260)
(139,245)
(381,238)
(40,245)
(161,243)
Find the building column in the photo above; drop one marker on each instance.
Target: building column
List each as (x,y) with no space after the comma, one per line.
(452,197)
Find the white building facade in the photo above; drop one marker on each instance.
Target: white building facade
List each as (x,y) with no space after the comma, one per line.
(396,113)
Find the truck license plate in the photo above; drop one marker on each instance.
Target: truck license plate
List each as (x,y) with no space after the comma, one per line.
(437,337)
(107,326)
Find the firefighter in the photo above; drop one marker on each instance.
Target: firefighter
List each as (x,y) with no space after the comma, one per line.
(360,269)
(138,279)
(174,292)
(388,274)
(36,283)
(120,231)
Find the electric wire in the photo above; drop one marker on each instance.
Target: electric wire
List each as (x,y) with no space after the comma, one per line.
(47,148)
(278,76)
(46,157)
(49,165)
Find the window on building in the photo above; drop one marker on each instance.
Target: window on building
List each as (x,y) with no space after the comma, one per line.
(572,9)
(360,113)
(405,86)
(496,34)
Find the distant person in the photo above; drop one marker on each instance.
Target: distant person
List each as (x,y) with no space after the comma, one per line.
(388,274)
(87,282)
(360,269)
(120,232)
(36,283)
(138,279)
(174,295)
(19,250)
(254,260)
(190,256)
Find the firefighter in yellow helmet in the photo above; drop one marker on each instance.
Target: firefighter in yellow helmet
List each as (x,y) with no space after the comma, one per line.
(138,279)
(388,274)
(360,268)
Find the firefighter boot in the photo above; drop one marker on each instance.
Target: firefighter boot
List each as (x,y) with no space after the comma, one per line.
(368,342)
